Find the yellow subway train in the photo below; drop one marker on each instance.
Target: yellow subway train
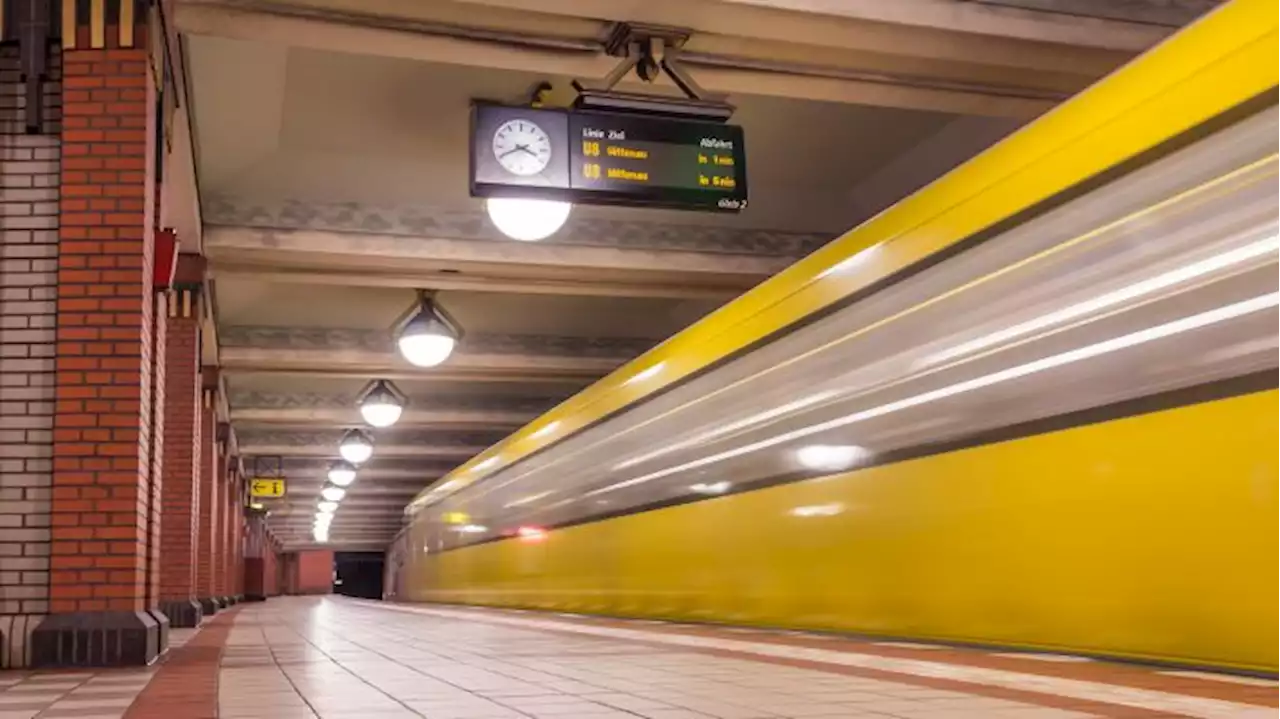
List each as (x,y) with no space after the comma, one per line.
(1033,405)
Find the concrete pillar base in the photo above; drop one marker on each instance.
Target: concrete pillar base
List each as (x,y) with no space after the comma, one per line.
(209,606)
(182,613)
(162,624)
(99,639)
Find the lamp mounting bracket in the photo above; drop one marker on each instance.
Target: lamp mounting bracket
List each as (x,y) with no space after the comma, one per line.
(650,51)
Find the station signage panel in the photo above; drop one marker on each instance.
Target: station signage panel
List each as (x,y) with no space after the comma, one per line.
(266,487)
(607,158)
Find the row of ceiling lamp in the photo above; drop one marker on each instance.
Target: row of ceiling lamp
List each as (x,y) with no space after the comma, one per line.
(381,407)
(426,340)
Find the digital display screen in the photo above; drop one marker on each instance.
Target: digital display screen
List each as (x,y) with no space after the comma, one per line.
(682,162)
(608,158)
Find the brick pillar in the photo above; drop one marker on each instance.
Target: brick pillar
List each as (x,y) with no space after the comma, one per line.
(207,547)
(179,523)
(237,538)
(230,531)
(227,522)
(257,548)
(221,524)
(151,502)
(29,174)
(101,588)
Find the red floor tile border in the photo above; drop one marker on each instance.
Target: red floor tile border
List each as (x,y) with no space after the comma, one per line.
(186,684)
(1037,699)
(1117,711)
(1099,671)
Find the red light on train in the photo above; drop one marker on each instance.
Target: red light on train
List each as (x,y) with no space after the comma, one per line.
(531,534)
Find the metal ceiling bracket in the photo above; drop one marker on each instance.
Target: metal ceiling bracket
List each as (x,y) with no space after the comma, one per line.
(650,51)
(384,384)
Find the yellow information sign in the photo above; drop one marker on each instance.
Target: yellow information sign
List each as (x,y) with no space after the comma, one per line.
(266,487)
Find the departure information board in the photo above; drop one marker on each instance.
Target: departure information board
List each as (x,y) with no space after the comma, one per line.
(607,158)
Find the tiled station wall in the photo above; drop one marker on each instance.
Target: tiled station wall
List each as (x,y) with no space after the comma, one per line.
(29,172)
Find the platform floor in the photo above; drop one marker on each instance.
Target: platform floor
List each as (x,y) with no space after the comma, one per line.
(335,658)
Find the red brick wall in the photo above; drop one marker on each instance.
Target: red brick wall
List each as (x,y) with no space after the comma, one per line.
(234,515)
(151,517)
(220,523)
(258,577)
(207,549)
(310,572)
(271,572)
(181,486)
(237,536)
(102,430)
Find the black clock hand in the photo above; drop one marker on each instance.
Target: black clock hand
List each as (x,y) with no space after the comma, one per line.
(517,148)
(526,149)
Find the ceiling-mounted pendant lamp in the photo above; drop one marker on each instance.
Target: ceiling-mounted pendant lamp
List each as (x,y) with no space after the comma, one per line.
(382,404)
(320,530)
(342,473)
(428,338)
(356,447)
(527,219)
(333,494)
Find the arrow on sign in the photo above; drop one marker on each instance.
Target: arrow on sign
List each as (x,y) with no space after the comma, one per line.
(266,487)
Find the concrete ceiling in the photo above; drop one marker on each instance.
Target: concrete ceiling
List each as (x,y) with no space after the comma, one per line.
(331,140)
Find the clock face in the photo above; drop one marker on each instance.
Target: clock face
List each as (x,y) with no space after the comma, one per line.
(521,147)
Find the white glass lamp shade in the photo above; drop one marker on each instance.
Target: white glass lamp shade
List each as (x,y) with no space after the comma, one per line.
(342,474)
(333,494)
(327,507)
(356,447)
(381,407)
(427,340)
(526,219)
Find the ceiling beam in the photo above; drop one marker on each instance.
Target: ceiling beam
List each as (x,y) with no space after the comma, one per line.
(1091,16)
(261,409)
(389,443)
(951,72)
(350,417)
(478,281)
(436,374)
(364,365)
(1053,21)
(391,482)
(370,353)
(351,522)
(355,497)
(330,451)
(648,257)
(384,510)
(383,519)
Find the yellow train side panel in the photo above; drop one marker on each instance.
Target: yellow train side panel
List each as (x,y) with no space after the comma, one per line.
(1146,537)
(1220,61)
